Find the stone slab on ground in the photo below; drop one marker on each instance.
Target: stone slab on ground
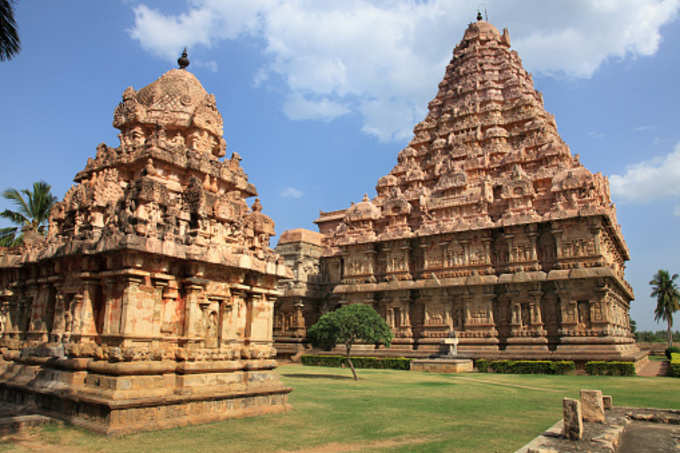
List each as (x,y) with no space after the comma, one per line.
(9,425)
(15,418)
(625,430)
(442,365)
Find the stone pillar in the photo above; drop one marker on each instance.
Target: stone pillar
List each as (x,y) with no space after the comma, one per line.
(236,328)
(6,296)
(193,315)
(159,285)
(300,330)
(111,307)
(90,311)
(592,406)
(58,325)
(260,308)
(172,318)
(77,317)
(572,419)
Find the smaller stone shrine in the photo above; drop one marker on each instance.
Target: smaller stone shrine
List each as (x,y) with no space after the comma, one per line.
(150,304)
(299,306)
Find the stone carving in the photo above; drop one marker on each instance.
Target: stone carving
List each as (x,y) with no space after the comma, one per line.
(156,284)
(490,225)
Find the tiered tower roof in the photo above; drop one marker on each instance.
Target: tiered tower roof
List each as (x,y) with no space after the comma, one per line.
(164,190)
(487,155)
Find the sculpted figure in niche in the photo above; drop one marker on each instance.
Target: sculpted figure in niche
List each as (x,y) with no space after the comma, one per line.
(135,137)
(516,315)
(201,141)
(584,314)
(211,330)
(176,140)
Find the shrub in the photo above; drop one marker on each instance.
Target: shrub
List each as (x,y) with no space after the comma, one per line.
(671,350)
(393,363)
(601,368)
(482,365)
(525,366)
(675,365)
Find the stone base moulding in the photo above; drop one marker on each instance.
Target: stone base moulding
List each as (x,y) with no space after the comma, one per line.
(146,414)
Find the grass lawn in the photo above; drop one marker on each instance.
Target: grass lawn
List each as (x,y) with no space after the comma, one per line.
(384,411)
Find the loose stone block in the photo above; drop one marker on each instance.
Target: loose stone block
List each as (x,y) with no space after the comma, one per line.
(607,402)
(592,406)
(572,419)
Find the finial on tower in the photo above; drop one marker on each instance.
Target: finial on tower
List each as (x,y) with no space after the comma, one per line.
(183,61)
(479,15)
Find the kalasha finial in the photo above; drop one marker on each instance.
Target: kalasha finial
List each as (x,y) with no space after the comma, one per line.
(183,61)
(479,15)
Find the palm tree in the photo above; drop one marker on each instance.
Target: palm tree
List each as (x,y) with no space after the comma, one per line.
(9,38)
(667,296)
(32,212)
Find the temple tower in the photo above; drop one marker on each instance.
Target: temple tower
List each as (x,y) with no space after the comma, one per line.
(151,302)
(487,225)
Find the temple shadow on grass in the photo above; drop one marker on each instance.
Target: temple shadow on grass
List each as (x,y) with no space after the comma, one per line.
(315,376)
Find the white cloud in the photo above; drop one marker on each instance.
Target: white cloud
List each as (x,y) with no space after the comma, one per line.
(292,192)
(650,180)
(643,128)
(211,65)
(297,107)
(382,59)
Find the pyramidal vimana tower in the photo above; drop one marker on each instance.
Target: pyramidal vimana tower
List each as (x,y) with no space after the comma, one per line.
(488,226)
(150,303)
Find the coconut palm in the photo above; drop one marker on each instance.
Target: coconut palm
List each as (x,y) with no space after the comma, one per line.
(667,296)
(31,214)
(9,38)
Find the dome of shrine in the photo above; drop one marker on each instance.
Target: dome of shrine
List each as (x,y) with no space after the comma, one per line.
(176,100)
(364,210)
(482,30)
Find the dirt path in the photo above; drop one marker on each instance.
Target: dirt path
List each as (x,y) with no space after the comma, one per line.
(503,384)
(358,446)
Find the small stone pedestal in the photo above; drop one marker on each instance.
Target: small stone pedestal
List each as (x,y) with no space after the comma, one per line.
(442,365)
(448,363)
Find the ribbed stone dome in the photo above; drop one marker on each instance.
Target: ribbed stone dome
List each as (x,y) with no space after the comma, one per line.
(176,100)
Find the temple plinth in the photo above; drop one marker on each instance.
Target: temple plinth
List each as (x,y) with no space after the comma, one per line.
(487,226)
(150,304)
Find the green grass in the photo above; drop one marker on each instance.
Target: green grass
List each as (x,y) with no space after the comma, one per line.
(385,410)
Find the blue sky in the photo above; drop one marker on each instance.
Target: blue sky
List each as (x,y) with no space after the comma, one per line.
(319,97)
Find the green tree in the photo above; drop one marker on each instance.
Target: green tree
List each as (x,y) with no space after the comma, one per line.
(667,296)
(347,325)
(31,214)
(9,37)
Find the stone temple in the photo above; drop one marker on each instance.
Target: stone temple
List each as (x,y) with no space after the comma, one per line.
(488,226)
(151,302)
